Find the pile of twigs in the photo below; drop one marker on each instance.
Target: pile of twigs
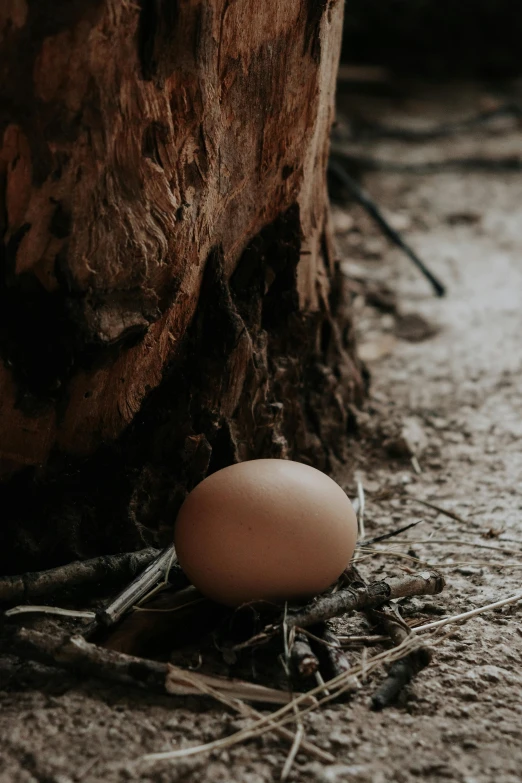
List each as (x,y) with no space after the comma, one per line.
(309,645)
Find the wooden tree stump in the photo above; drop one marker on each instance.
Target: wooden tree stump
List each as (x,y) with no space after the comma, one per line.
(169,297)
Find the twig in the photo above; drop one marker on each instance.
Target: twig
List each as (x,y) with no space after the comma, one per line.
(370,639)
(319,639)
(79,655)
(428,564)
(459,542)
(76,613)
(159,569)
(290,639)
(416,465)
(404,670)
(373,210)
(458,618)
(338,663)
(302,659)
(27,587)
(293,751)
(172,563)
(355,598)
(321,683)
(76,654)
(392,553)
(440,509)
(179,682)
(396,532)
(478,563)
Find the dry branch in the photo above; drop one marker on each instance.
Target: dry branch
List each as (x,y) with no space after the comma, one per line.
(338,169)
(334,653)
(355,598)
(404,670)
(27,587)
(159,570)
(77,654)
(358,598)
(302,658)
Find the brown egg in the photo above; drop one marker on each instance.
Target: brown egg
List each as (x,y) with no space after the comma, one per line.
(266,529)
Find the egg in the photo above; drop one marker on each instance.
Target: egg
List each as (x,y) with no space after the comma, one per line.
(267,529)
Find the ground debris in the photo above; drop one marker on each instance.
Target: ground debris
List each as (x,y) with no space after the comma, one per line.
(109,568)
(356,598)
(414,328)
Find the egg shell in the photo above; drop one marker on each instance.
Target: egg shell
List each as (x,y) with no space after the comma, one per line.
(266,529)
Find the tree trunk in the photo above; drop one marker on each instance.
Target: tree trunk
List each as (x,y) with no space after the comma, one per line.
(169,298)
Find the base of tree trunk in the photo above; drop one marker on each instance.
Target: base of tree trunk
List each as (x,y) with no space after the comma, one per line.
(285,384)
(169,298)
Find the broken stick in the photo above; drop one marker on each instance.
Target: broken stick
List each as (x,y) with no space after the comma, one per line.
(355,598)
(338,169)
(336,658)
(303,660)
(162,569)
(404,670)
(28,587)
(78,655)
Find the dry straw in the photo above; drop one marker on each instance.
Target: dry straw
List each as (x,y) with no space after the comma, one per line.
(297,708)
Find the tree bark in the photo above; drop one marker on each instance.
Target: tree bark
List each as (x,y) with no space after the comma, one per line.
(169,297)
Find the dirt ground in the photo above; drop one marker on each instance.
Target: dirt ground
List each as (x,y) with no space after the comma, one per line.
(458,394)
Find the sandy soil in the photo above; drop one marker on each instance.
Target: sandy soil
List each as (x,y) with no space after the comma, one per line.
(458,394)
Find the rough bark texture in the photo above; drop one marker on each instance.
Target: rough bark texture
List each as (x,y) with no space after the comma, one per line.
(169,300)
